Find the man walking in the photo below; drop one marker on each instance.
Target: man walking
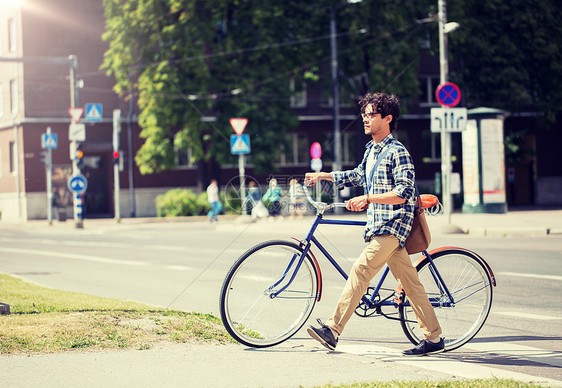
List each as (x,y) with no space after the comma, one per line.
(387,176)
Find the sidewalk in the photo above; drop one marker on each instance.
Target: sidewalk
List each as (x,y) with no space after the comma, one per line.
(512,223)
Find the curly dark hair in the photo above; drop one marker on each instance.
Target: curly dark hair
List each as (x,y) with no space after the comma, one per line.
(385,104)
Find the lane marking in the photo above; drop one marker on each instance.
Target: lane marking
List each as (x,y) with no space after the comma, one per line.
(527,315)
(72,256)
(443,365)
(523,352)
(531,275)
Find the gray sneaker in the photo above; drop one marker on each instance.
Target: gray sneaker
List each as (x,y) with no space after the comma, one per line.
(426,347)
(323,335)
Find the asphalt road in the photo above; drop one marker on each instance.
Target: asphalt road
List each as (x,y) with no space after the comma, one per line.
(182,265)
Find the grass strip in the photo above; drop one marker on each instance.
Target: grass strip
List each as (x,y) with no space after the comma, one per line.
(45,320)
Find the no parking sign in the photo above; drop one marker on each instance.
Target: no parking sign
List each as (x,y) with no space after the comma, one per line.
(448,94)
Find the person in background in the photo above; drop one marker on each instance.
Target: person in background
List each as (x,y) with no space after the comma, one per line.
(296,198)
(214,200)
(272,197)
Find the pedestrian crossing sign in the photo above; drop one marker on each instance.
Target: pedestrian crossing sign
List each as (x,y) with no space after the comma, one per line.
(239,144)
(49,141)
(94,112)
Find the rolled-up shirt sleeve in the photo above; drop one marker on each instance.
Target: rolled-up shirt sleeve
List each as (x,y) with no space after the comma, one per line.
(404,176)
(348,178)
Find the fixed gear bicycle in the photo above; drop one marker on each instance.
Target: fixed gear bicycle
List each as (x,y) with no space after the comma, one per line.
(270,291)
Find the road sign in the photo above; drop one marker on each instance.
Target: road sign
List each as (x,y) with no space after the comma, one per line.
(77,132)
(49,141)
(315,150)
(239,144)
(78,183)
(448,94)
(94,112)
(448,119)
(316,164)
(238,125)
(75,114)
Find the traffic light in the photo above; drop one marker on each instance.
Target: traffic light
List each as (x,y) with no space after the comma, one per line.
(115,157)
(79,156)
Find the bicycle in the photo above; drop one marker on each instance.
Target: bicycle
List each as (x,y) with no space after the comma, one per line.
(270,291)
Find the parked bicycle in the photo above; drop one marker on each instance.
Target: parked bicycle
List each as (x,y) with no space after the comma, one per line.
(271,290)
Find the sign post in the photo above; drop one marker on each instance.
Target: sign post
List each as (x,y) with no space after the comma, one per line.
(49,142)
(240,144)
(316,163)
(116,182)
(76,133)
(448,95)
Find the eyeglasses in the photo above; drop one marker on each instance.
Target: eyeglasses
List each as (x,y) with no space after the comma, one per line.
(369,116)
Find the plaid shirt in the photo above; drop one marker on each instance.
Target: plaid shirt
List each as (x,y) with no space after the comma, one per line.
(395,173)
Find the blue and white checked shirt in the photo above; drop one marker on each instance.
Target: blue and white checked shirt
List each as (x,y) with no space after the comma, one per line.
(395,173)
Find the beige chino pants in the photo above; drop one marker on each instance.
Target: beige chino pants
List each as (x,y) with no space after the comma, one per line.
(385,249)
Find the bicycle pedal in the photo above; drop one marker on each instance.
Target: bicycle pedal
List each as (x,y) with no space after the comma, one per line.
(399,296)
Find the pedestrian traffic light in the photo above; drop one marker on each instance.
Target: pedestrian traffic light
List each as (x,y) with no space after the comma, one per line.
(115,157)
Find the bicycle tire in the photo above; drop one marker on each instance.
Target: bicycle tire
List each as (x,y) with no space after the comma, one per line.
(247,311)
(469,282)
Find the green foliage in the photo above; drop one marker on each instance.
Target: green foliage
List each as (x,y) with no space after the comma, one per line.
(510,53)
(187,61)
(181,202)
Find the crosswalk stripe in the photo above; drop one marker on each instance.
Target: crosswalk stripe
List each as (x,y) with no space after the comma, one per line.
(523,352)
(440,364)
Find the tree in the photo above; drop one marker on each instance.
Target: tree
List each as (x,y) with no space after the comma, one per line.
(191,60)
(509,52)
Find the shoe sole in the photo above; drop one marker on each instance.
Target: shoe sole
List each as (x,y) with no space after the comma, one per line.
(313,334)
(423,354)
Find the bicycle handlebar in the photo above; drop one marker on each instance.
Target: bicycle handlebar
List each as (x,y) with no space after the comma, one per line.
(321,207)
(434,209)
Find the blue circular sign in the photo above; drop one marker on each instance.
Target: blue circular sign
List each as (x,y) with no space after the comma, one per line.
(78,183)
(448,94)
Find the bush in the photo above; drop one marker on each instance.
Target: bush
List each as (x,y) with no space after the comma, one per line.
(181,202)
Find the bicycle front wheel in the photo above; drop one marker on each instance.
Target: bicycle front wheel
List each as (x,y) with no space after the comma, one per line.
(470,285)
(261,302)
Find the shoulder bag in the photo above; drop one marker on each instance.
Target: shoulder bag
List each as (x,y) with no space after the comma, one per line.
(419,238)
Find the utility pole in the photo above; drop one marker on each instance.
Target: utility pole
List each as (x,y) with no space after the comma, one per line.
(337,165)
(445,136)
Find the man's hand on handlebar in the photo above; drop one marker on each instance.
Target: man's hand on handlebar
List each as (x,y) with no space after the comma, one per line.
(357,204)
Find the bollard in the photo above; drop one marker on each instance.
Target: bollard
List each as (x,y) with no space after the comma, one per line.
(4,309)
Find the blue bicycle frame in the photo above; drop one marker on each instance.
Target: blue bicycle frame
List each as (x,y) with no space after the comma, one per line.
(369,301)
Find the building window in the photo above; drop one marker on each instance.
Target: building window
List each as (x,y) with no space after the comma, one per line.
(184,157)
(296,150)
(428,86)
(298,93)
(13,96)
(12,35)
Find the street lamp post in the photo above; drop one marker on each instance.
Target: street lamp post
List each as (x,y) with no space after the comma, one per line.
(446,169)
(337,165)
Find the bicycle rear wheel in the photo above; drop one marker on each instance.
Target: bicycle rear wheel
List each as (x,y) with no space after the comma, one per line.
(470,285)
(250,311)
